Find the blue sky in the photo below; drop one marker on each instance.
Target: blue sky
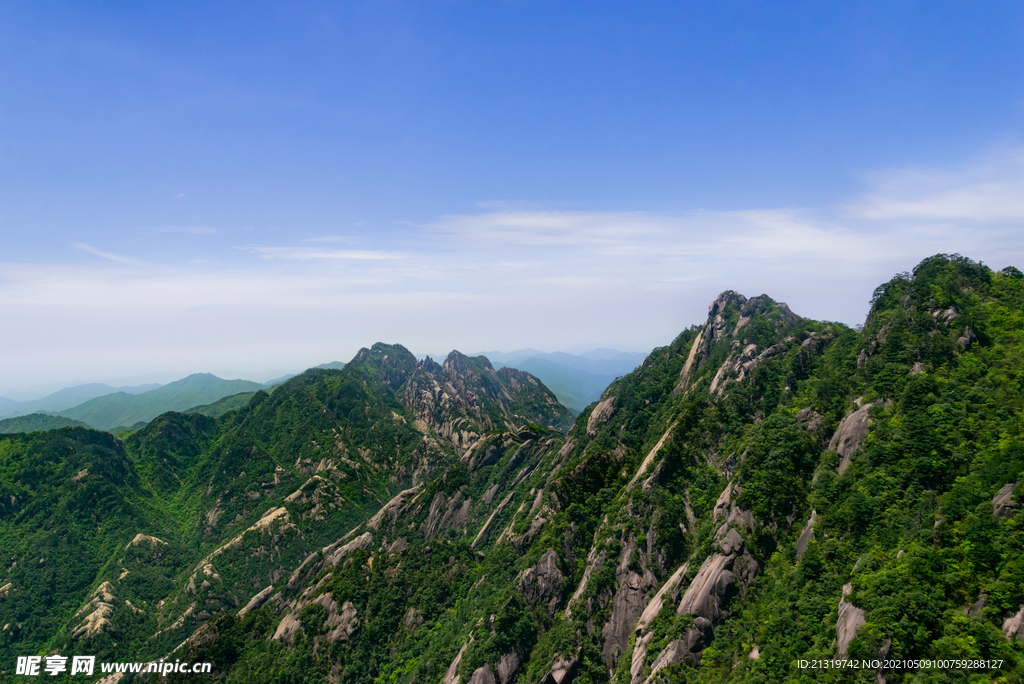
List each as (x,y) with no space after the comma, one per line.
(252,188)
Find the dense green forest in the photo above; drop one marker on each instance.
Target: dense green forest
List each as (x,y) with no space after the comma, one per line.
(763,496)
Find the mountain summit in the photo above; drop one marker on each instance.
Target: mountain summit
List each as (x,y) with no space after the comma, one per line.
(763,490)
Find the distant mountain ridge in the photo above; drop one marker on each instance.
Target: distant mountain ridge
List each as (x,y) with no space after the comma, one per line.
(36,421)
(764,488)
(123,409)
(66,398)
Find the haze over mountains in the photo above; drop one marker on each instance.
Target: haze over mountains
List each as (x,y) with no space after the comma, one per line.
(66,398)
(762,489)
(576,380)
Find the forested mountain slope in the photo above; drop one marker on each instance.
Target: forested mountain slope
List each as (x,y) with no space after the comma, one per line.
(122,409)
(763,490)
(121,548)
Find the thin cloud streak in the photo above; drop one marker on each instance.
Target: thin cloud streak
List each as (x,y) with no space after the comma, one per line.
(307,253)
(988,192)
(106,255)
(504,278)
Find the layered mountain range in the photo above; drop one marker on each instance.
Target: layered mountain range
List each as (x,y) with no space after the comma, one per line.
(763,490)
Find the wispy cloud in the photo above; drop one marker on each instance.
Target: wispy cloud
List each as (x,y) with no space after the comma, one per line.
(334,238)
(194,230)
(310,253)
(503,277)
(988,191)
(105,255)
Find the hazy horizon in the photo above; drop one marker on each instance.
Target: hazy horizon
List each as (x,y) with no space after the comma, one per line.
(244,189)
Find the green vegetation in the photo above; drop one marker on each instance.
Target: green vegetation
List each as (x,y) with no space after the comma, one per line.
(122,409)
(37,421)
(763,490)
(223,406)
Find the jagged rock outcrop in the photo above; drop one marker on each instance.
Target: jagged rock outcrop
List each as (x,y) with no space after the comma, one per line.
(812,420)
(141,539)
(968,338)
(731,513)
(1003,503)
(342,623)
(1013,626)
(446,513)
(813,346)
(465,398)
(318,496)
(687,650)
(563,671)
(850,618)
(721,576)
(542,584)
(849,435)
(508,666)
(393,509)
(99,609)
(743,356)
(482,675)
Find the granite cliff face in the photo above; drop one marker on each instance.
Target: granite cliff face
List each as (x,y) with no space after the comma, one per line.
(762,489)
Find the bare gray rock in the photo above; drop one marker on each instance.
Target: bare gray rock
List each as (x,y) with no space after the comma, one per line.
(483,675)
(850,618)
(343,624)
(719,578)
(601,413)
(850,434)
(1003,503)
(489,494)
(1013,626)
(685,374)
(256,601)
(451,676)
(675,652)
(398,505)
(654,606)
(975,609)
(812,347)
(336,551)
(696,638)
(810,419)
(99,610)
(806,536)
(731,513)
(687,650)
(563,671)
(508,665)
(543,582)
(968,338)
(730,541)
(862,359)
(709,588)
(629,603)
(413,619)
